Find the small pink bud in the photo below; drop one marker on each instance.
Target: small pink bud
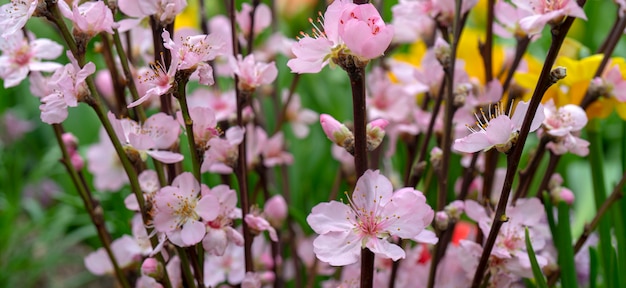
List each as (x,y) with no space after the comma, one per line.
(376,133)
(334,130)
(563,194)
(77,161)
(435,157)
(151,267)
(455,209)
(70,141)
(276,210)
(442,220)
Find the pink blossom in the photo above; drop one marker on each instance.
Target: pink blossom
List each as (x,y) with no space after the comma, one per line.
(336,131)
(316,51)
(510,246)
(220,231)
(391,101)
(12,128)
(164,10)
(229,267)
(497,130)
(14,15)
(223,104)
(547,11)
(105,165)
(158,133)
(564,120)
(252,74)
(262,18)
(413,18)
(149,184)
(508,20)
(364,32)
(222,154)
(192,52)
(375,132)
(90,18)
(204,125)
(275,210)
(274,153)
(614,83)
(299,118)
(374,214)
(159,81)
(20,56)
(125,250)
(179,209)
(443,10)
(569,143)
(258,224)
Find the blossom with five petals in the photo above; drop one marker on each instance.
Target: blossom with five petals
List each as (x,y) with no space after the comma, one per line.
(20,56)
(375,213)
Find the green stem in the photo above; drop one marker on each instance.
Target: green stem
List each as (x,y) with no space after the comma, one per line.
(85,195)
(193,149)
(184,263)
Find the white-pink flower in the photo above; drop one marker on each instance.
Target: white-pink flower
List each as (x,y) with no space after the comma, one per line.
(300,118)
(179,209)
(374,214)
(14,15)
(158,133)
(90,18)
(364,32)
(125,250)
(220,231)
(613,83)
(20,56)
(497,130)
(164,10)
(413,18)
(547,11)
(159,81)
(105,165)
(262,18)
(222,154)
(253,74)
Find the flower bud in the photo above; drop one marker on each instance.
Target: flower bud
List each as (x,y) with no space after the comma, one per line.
(455,209)
(375,133)
(442,220)
(443,52)
(70,141)
(335,131)
(77,161)
(557,74)
(151,267)
(435,157)
(276,210)
(562,194)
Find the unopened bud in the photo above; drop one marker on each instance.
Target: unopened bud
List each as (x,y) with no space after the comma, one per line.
(151,267)
(442,220)
(555,181)
(435,157)
(455,209)
(557,74)
(77,161)
(443,53)
(562,194)
(375,133)
(276,210)
(335,131)
(70,141)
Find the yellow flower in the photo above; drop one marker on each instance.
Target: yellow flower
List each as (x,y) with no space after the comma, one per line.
(189,18)
(572,89)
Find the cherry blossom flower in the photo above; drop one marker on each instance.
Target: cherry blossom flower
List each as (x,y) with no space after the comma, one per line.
(375,213)
(257,223)
(499,130)
(20,56)
(193,52)
(412,16)
(229,267)
(149,184)
(510,247)
(14,15)
(204,125)
(105,165)
(316,51)
(444,10)
(299,118)
(179,209)
(391,101)
(12,128)
(508,20)
(547,11)
(219,232)
(90,18)
(159,132)
(252,74)
(222,154)
(125,250)
(223,104)
(262,18)
(363,31)
(159,81)
(564,120)
(275,210)
(613,84)
(164,10)
(274,153)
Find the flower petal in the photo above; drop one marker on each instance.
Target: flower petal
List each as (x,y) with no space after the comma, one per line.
(338,248)
(330,216)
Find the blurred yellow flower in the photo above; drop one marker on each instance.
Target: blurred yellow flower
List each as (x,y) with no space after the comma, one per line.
(189,18)
(572,89)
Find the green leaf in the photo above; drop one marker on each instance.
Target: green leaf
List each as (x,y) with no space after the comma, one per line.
(565,248)
(593,267)
(539,278)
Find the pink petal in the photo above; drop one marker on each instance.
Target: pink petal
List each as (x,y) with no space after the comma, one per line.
(372,190)
(338,248)
(383,248)
(192,232)
(499,130)
(331,216)
(208,207)
(166,157)
(472,143)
